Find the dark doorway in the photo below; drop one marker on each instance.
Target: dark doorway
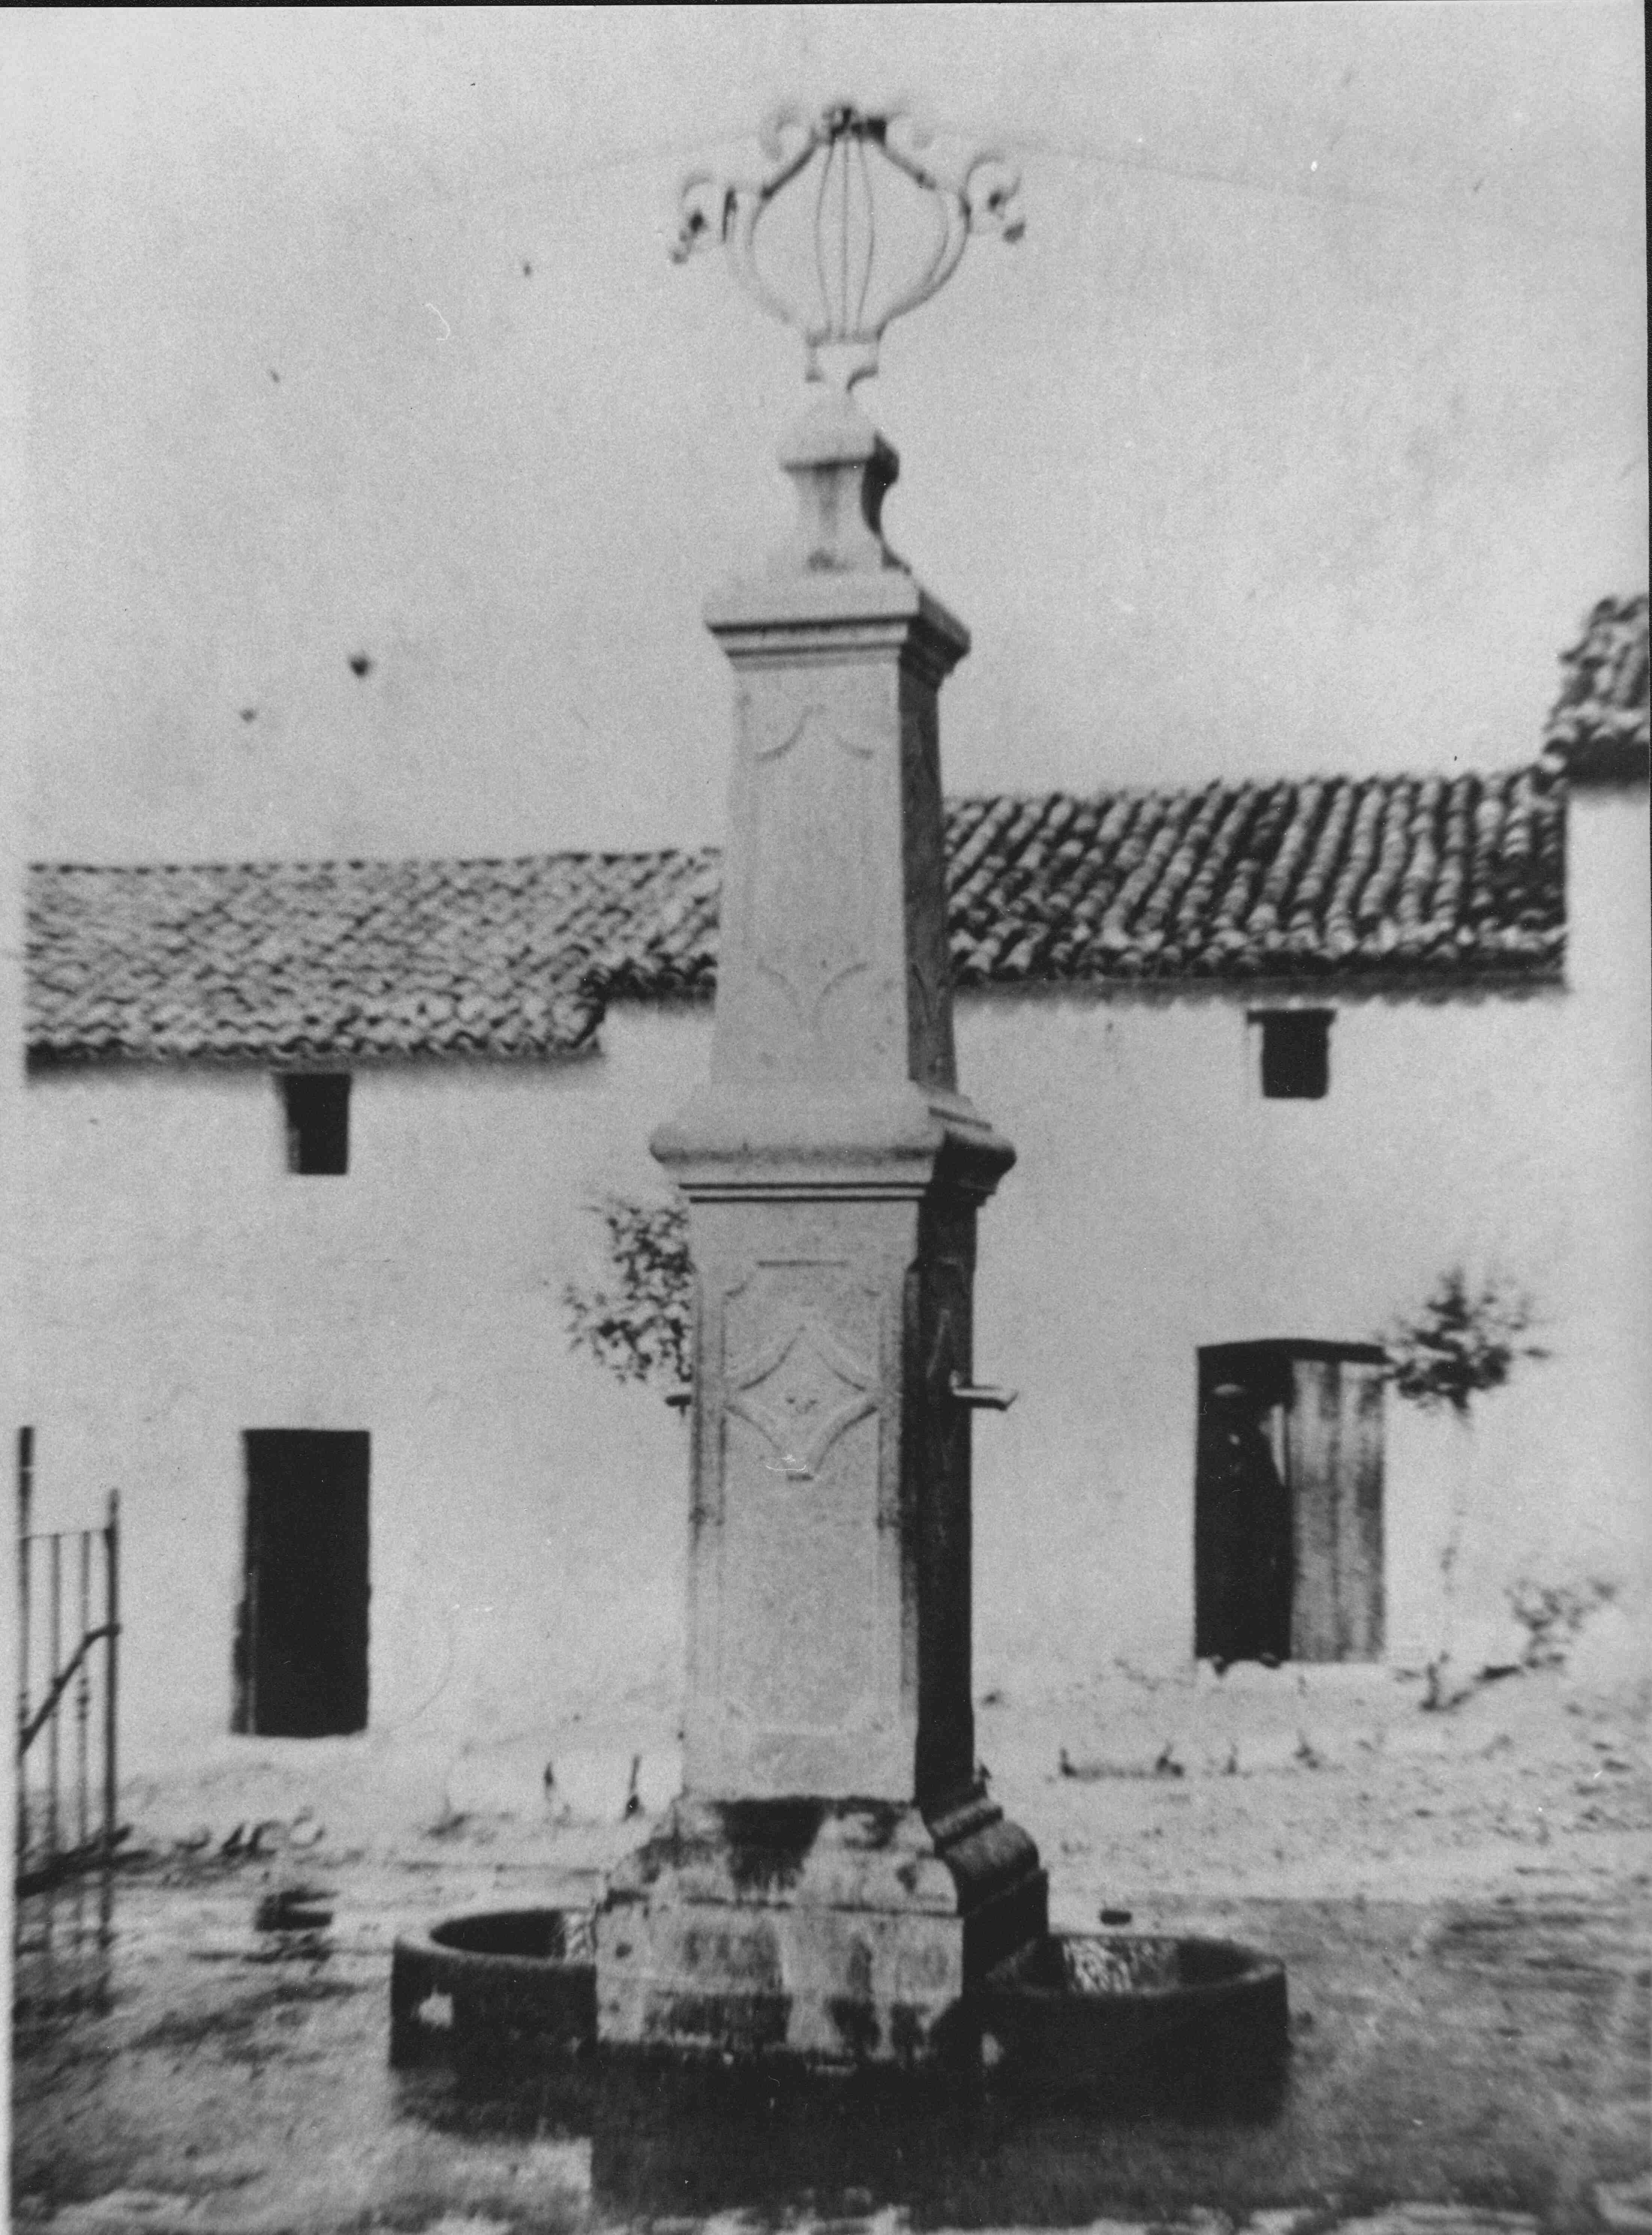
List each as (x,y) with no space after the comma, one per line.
(1244,1553)
(301,1655)
(1287,1503)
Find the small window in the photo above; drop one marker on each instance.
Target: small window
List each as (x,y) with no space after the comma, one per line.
(318,1121)
(1296,1053)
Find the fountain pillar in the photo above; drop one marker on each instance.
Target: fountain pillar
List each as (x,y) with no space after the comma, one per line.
(833,1885)
(833,1875)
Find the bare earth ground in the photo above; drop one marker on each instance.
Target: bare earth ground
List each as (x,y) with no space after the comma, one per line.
(1461,1900)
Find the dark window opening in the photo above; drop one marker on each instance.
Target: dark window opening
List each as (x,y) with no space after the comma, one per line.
(318,1105)
(1296,1053)
(301,1645)
(1287,1557)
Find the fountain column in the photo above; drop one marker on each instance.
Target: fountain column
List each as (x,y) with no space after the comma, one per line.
(833,1875)
(834,1885)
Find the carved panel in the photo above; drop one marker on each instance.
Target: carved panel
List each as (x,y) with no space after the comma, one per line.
(799,1648)
(809,862)
(801,1392)
(799,1620)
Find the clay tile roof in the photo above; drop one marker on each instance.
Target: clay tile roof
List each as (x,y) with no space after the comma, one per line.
(1598,730)
(1356,878)
(328,961)
(1444,881)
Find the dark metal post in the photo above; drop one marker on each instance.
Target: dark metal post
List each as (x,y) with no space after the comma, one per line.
(57,1543)
(111,1665)
(83,1693)
(25,1506)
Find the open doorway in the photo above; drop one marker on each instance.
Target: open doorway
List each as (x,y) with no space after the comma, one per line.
(1244,1553)
(1288,1502)
(301,1652)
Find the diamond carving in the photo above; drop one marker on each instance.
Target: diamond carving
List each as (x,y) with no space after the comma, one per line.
(801,1392)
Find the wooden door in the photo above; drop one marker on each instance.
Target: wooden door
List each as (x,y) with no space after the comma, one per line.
(1288,1502)
(1334,1459)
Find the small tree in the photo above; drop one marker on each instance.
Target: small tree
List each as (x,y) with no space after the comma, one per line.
(642,1328)
(1463,1342)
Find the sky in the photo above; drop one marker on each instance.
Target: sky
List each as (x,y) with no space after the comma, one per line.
(375,460)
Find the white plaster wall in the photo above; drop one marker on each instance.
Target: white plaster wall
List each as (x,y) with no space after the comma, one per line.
(528,1512)
(1161,1203)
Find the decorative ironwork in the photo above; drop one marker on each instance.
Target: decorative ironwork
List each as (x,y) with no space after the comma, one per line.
(855,295)
(55,1833)
(64,1861)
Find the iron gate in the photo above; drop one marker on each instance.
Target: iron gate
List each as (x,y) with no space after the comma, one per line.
(68,1690)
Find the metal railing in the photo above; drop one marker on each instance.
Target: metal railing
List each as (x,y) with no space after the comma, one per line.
(68,1690)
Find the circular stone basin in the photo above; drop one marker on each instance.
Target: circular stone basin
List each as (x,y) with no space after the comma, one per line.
(1109,2014)
(1117,2011)
(495,1982)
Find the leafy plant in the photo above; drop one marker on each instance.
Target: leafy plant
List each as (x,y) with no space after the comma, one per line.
(1463,1343)
(640,1328)
(1552,1614)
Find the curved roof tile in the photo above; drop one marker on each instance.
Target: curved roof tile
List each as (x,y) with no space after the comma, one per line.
(338,960)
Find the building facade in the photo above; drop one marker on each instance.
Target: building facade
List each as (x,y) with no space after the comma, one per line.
(312,1152)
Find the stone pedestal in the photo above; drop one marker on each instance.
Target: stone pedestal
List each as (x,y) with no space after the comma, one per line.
(832,1877)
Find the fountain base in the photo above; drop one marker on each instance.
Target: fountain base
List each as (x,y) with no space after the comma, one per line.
(832,1933)
(1114,2018)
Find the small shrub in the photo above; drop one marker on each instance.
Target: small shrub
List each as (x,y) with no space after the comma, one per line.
(1552,1614)
(1464,1341)
(642,1328)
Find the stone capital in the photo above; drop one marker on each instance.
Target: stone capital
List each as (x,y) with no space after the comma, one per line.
(805,619)
(815,1143)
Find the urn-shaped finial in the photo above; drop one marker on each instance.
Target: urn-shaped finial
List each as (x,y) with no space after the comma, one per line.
(886,230)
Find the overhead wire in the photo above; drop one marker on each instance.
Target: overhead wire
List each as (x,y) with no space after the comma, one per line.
(1323,192)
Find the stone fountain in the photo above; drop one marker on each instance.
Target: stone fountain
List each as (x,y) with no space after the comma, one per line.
(834,1875)
(833,1887)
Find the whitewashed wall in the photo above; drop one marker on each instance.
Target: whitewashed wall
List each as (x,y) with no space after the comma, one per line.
(1161,1203)
(528,1512)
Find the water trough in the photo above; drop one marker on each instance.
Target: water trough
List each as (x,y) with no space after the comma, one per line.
(496,1982)
(1090,2015)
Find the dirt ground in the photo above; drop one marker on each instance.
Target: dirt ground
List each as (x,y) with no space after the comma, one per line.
(1461,1900)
